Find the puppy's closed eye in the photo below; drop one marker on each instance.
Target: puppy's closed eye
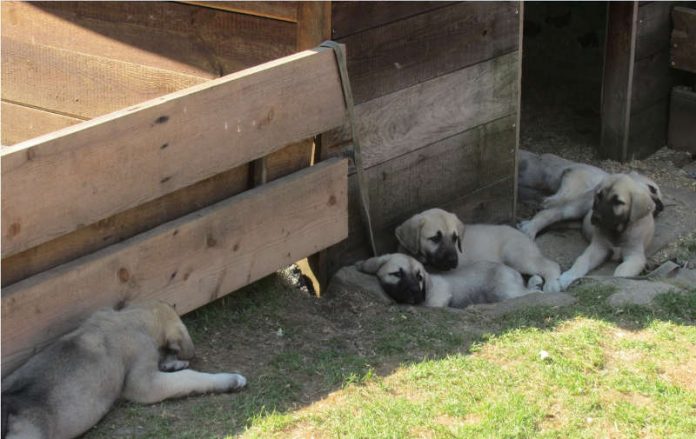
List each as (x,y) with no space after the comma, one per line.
(437,238)
(397,274)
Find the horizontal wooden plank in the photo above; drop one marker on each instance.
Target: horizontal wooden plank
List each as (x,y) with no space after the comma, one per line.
(654,26)
(406,120)
(171,36)
(285,10)
(352,17)
(406,52)
(20,123)
(119,161)
(684,39)
(188,262)
(146,216)
(83,86)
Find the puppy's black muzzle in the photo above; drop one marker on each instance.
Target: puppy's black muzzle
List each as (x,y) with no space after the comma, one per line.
(407,291)
(444,259)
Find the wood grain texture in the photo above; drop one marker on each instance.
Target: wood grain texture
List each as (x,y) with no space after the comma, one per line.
(683,54)
(652,81)
(188,262)
(171,36)
(313,23)
(407,120)
(146,216)
(127,158)
(619,59)
(654,26)
(413,50)
(352,17)
(20,123)
(285,10)
(83,86)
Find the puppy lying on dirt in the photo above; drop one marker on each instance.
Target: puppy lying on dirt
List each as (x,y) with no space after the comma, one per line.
(137,353)
(439,239)
(571,187)
(405,280)
(620,224)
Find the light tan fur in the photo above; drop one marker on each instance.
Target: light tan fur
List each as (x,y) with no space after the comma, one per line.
(620,224)
(473,243)
(136,353)
(480,282)
(570,187)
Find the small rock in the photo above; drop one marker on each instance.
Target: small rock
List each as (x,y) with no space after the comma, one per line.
(543,355)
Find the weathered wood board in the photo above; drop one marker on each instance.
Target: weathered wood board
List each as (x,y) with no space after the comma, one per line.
(277,10)
(408,119)
(20,123)
(684,39)
(388,58)
(187,262)
(171,36)
(79,85)
(149,150)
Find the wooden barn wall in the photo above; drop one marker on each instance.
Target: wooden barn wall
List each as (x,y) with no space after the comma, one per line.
(436,88)
(66,62)
(637,79)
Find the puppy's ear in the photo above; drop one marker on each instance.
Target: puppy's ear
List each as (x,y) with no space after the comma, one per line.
(408,233)
(179,341)
(641,203)
(460,234)
(372,265)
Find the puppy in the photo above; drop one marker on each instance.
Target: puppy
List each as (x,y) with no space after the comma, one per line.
(619,223)
(405,280)
(69,386)
(439,239)
(571,187)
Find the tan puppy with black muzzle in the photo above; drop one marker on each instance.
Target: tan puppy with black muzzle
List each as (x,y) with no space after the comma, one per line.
(406,281)
(620,224)
(138,353)
(439,239)
(571,187)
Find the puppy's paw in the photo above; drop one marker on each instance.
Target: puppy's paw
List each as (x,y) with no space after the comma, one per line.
(535,283)
(553,286)
(566,279)
(229,382)
(527,227)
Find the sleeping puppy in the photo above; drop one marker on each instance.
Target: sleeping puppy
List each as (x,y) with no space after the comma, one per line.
(619,223)
(571,187)
(69,386)
(405,280)
(439,239)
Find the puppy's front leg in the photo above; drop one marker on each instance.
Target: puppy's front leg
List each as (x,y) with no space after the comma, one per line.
(156,386)
(591,258)
(633,263)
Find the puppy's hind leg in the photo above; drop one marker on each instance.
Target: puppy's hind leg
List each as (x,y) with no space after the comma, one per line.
(574,209)
(155,386)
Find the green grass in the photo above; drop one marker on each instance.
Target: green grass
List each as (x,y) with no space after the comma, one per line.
(607,373)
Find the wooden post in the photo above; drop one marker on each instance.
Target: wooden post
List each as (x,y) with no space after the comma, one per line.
(619,56)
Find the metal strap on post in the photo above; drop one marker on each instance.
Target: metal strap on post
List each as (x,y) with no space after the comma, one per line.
(355,154)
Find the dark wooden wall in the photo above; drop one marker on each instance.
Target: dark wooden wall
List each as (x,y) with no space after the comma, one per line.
(637,79)
(437,94)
